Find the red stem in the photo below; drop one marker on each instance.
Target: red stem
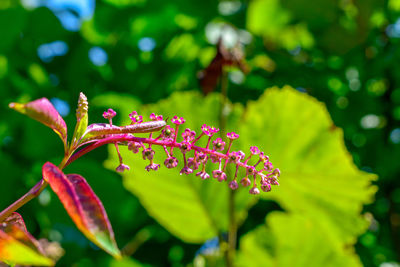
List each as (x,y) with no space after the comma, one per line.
(34,192)
(130,138)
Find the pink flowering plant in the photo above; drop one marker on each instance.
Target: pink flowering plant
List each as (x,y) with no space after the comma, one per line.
(79,200)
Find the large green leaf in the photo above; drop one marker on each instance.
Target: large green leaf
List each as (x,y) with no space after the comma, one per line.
(292,240)
(319,178)
(190,208)
(279,29)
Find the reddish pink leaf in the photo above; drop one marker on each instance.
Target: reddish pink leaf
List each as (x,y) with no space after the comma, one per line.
(18,246)
(43,111)
(210,76)
(83,206)
(14,226)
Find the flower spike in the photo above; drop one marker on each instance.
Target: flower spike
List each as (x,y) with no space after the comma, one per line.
(260,173)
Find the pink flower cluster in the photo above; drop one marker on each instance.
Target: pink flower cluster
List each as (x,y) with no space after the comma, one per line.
(259,174)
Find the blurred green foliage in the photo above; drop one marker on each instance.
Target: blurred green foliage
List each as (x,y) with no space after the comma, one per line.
(134,52)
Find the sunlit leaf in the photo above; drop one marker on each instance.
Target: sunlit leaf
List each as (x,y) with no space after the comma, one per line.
(280,30)
(190,208)
(18,246)
(43,111)
(292,240)
(83,206)
(319,178)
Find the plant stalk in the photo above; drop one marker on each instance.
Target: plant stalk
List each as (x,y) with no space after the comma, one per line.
(230,249)
(31,194)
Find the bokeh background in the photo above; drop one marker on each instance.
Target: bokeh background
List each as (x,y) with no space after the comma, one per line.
(126,54)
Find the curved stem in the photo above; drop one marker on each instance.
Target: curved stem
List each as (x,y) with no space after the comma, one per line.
(129,138)
(31,194)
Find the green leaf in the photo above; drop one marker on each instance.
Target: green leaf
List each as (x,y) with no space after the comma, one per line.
(43,111)
(279,30)
(83,206)
(18,246)
(292,240)
(125,3)
(10,34)
(190,208)
(319,179)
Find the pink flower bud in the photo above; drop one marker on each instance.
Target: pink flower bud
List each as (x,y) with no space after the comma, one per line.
(122,168)
(233,185)
(203,175)
(171,162)
(109,114)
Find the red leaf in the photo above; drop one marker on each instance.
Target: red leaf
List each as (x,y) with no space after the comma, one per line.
(83,206)
(210,76)
(43,111)
(14,226)
(18,246)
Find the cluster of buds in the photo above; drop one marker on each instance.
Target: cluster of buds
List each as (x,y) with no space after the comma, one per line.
(217,151)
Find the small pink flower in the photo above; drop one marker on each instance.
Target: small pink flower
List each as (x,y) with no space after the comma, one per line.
(264,157)
(254,191)
(254,150)
(232,135)
(176,120)
(245,182)
(233,157)
(203,175)
(168,133)
(155,117)
(152,167)
(268,166)
(233,185)
(209,131)
(171,162)
(276,172)
(148,153)
(220,175)
(201,158)
(266,187)
(122,168)
(135,118)
(218,144)
(186,170)
(192,163)
(241,155)
(273,180)
(109,114)
(250,170)
(214,158)
(188,135)
(134,147)
(185,147)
